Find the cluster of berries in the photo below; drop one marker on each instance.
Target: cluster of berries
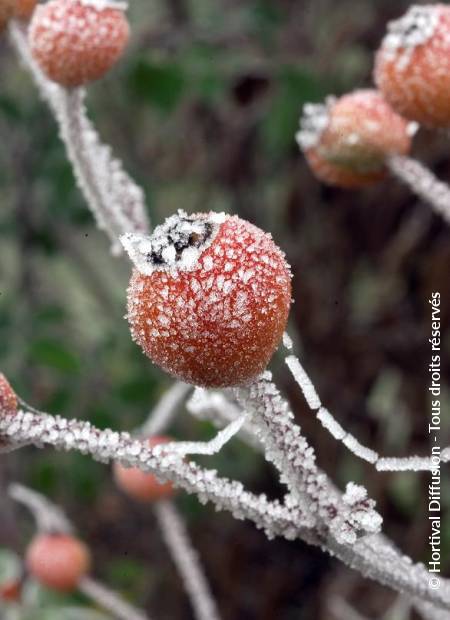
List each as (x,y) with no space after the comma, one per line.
(347,140)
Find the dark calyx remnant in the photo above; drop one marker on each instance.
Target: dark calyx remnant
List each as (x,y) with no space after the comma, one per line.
(184,233)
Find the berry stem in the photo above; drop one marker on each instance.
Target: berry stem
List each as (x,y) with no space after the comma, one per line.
(162,414)
(423,183)
(49,518)
(410,463)
(186,560)
(118,204)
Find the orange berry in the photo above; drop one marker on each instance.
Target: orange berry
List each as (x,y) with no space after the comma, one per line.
(209,299)
(77,41)
(144,487)
(58,561)
(24,8)
(8,398)
(412,67)
(346,140)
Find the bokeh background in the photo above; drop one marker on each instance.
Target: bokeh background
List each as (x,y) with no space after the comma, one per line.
(203,111)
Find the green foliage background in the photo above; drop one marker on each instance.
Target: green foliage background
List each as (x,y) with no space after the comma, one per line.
(203,110)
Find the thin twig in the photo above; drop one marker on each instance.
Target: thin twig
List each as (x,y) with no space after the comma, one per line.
(186,560)
(110,601)
(423,183)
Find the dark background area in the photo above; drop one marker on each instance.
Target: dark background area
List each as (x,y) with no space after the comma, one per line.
(203,110)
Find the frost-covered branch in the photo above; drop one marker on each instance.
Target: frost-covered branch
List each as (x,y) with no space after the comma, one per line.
(186,560)
(423,183)
(215,407)
(373,556)
(345,517)
(117,203)
(411,463)
(106,446)
(109,600)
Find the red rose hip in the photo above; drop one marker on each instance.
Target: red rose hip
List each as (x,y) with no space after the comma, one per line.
(209,298)
(412,67)
(77,41)
(58,561)
(142,486)
(346,141)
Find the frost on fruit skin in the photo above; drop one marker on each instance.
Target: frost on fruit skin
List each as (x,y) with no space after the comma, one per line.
(140,485)
(412,67)
(347,140)
(77,42)
(58,561)
(213,301)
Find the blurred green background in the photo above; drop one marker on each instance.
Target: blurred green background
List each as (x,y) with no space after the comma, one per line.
(203,111)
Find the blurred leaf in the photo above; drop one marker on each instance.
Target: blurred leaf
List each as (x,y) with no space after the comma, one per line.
(405,492)
(54,355)
(125,573)
(160,84)
(9,109)
(294,87)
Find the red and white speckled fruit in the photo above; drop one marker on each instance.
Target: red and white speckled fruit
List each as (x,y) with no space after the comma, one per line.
(58,561)
(412,67)
(346,140)
(8,398)
(142,486)
(24,8)
(209,298)
(77,41)
(6,12)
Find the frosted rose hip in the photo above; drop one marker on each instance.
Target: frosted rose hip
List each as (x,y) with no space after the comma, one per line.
(412,67)
(58,561)
(77,41)
(209,299)
(346,140)
(142,486)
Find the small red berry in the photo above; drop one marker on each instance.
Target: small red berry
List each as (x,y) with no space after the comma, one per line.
(11,591)
(412,67)
(8,398)
(58,561)
(77,41)
(346,140)
(209,299)
(24,8)
(144,487)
